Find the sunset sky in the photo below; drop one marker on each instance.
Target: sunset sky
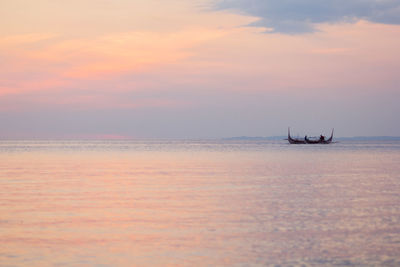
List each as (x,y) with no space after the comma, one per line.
(198,68)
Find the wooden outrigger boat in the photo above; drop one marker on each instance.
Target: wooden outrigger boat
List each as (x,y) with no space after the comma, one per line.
(307,140)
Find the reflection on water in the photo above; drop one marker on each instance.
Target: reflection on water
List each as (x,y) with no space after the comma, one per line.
(196,202)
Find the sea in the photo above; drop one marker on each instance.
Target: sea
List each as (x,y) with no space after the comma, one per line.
(199,203)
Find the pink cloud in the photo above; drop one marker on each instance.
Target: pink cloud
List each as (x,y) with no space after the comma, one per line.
(95,73)
(40,63)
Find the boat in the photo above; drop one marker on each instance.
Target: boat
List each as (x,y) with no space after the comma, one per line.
(308,140)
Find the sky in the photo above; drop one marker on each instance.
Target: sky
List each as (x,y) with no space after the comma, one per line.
(198,68)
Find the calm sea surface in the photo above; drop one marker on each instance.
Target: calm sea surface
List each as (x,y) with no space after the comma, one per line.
(199,203)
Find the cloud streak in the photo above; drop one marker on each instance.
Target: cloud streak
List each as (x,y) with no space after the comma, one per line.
(302,16)
(40,62)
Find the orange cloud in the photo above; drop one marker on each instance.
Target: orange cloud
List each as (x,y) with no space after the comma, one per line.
(75,59)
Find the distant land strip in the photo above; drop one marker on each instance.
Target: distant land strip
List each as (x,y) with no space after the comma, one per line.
(354,138)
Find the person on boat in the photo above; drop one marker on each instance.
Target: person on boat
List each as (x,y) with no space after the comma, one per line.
(322,138)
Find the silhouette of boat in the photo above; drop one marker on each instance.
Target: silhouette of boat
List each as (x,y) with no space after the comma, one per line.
(307,140)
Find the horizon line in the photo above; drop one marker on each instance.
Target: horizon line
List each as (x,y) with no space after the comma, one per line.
(272,137)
